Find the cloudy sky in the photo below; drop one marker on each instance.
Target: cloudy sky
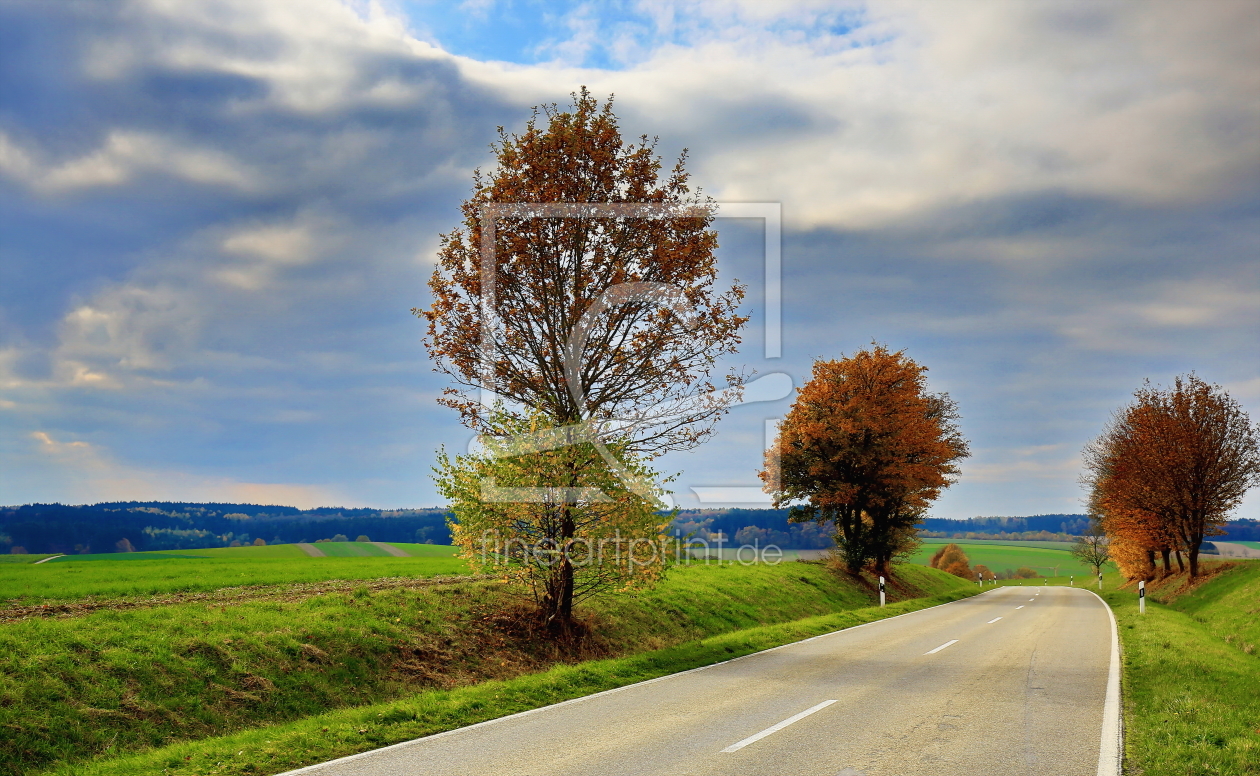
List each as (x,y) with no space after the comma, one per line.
(215,216)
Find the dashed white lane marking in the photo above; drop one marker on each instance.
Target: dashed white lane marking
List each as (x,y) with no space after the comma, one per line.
(776,728)
(943,646)
(1021,606)
(995,619)
(1032,599)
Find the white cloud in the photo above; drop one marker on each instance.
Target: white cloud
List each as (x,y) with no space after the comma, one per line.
(119,159)
(931,104)
(90,474)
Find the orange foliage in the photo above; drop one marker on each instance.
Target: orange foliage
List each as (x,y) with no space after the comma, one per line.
(1168,469)
(869,448)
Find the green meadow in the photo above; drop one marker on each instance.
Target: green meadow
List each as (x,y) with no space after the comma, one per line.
(72,577)
(1042,557)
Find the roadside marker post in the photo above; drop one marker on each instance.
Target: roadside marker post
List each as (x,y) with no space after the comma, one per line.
(1142,597)
(1100,580)
(980,578)
(1072,580)
(881,591)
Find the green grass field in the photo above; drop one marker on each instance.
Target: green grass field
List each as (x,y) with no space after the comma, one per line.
(1002,542)
(147,574)
(1192,676)
(1252,545)
(21,558)
(999,556)
(121,680)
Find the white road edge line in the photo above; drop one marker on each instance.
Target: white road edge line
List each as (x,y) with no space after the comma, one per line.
(995,619)
(1111,745)
(317,767)
(943,646)
(735,747)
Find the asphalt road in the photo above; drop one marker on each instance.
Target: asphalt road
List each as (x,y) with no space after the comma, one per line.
(1014,681)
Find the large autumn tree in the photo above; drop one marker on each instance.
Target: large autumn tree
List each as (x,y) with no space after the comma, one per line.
(867,447)
(1173,464)
(580,297)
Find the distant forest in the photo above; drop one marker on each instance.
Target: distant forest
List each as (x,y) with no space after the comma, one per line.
(121,526)
(156,525)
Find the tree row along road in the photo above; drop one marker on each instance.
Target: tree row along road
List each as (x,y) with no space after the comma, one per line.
(1013,681)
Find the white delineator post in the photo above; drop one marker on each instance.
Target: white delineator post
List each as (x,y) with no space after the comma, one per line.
(1142,597)
(980,578)
(1072,580)
(1100,580)
(881,591)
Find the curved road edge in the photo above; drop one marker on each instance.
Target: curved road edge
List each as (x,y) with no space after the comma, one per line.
(1111,748)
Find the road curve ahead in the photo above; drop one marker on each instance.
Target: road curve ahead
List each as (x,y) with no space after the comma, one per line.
(1013,681)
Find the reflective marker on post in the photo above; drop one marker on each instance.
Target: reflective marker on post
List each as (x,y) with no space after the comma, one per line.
(881,591)
(1142,597)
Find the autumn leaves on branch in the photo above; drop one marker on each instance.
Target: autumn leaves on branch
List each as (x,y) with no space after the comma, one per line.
(1166,472)
(867,448)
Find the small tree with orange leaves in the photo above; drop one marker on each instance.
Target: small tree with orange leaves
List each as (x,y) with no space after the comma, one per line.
(868,447)
(1174,464)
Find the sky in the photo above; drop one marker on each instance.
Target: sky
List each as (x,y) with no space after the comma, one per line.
(216,216)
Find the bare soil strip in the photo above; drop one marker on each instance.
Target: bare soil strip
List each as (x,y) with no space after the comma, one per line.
(397,552)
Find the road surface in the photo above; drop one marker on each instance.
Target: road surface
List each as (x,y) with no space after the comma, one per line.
(1018,680)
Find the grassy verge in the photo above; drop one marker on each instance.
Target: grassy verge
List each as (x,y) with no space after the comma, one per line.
(1191,689)
(322,737)
(117,681)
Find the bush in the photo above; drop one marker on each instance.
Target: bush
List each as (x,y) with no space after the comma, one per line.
(362,538)
(952,560)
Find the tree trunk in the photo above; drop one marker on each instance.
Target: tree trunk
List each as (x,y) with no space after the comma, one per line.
(1166,553)
(1150,564)
(1181,566)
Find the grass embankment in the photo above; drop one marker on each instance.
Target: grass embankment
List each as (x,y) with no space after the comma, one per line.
(110,683)
(189,571)
(1192,674)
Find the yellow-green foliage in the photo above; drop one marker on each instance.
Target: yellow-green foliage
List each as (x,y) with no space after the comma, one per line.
(611,542)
